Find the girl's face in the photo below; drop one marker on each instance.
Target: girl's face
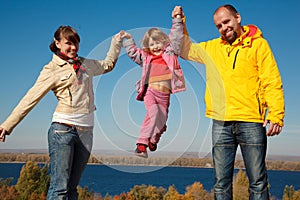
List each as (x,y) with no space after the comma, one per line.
(67,47)
(155,46)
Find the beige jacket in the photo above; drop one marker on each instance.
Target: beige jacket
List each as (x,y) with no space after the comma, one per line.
(60,77)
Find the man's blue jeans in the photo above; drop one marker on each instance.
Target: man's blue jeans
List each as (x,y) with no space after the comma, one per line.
(69,150)
(226,136)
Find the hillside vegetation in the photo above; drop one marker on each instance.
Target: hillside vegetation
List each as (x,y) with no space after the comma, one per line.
(152,161)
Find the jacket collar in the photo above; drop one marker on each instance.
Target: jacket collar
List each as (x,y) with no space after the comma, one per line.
(250,32)
(58,61)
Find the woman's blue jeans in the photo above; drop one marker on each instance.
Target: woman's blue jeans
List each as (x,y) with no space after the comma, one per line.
(69,150)
(226,136)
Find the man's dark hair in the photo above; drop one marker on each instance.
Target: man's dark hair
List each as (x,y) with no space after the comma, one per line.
(229,7)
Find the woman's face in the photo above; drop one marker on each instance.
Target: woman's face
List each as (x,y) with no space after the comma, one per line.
(67,47)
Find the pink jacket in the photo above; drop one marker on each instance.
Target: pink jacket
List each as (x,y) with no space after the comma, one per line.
(170,56)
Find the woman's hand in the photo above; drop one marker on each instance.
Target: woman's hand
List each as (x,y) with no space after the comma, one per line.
(3,133)
(121,35)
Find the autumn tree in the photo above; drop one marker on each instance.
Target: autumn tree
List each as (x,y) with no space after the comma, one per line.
(240,186)
(289,193)
(123,196)
(296,195)
(196,191)
(33,182)
(172,194)
(84,193)
(147,193)
(7,192)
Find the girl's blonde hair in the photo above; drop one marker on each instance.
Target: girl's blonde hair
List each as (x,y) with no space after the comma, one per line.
(155,34)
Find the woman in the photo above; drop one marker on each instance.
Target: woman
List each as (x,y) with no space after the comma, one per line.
(70,135)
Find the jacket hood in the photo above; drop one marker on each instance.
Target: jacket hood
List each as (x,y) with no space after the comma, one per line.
(252,31)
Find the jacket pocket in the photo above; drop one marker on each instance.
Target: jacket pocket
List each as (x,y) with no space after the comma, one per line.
(66,77)
(138,86)
(261,105)
(141,90)
(178,78)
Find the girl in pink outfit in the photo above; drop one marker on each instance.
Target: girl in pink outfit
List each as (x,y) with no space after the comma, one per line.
(161,76)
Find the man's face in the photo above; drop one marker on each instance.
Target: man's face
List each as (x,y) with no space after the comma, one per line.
(228,24)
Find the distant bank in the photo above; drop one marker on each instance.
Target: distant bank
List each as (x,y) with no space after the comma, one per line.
(187,159)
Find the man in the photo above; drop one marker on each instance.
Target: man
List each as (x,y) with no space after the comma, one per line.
(243,85)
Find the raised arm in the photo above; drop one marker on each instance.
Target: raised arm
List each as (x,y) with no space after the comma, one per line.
(188,50)
(103,66)
(176,33)
(185,40)
(134,53)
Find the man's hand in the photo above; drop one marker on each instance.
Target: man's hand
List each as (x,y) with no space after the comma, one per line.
(274,129)
(177,12)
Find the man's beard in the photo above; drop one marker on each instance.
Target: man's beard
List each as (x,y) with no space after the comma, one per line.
(231,39)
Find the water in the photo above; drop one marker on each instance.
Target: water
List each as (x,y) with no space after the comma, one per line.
(104,179)
(109,180)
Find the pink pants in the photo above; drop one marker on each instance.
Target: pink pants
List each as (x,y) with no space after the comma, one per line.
(157,109)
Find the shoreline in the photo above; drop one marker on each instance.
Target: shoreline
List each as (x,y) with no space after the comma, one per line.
(161,159)
(142,165)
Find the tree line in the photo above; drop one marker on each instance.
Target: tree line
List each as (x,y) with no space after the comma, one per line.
(34,181)
(152,161)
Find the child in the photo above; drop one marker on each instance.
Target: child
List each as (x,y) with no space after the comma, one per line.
(161,76)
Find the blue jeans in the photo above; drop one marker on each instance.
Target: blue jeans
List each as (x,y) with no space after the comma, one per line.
(226,136)
(69,150)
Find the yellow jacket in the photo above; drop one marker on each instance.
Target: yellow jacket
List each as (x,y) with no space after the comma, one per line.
(243,82)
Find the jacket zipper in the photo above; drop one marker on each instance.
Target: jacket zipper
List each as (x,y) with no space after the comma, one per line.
(259,105)
(235,59)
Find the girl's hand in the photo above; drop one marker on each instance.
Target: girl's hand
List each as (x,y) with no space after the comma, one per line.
(121,35)
(126,35)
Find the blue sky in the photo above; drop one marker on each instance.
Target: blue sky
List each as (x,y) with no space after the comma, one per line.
(27,29)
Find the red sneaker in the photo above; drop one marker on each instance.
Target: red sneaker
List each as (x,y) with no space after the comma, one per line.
(152,147)
(141,151)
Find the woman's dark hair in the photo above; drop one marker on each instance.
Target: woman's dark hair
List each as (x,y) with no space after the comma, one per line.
(64,32)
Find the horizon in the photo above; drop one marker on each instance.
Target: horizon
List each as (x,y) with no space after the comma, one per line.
(189,154)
